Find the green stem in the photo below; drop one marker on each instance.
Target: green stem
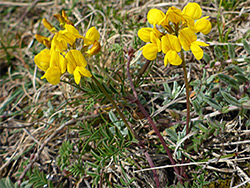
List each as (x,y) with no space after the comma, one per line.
(114,104)
(187,91)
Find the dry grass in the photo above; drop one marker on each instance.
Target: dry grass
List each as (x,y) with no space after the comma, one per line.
(37,117)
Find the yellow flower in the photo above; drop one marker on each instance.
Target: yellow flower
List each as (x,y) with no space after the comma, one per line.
(91,36)
(44,40)
(188,41)
(56,68)
(203,25)
(155,16)
(152,35)
(170,47)
(193,10)
(76,64)
(42,60)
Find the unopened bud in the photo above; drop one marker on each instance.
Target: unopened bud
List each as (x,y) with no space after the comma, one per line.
(44,40)
(95,48)
(65,17)
(48,25)
(60,19)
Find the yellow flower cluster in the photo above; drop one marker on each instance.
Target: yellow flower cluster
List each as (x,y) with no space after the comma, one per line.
(62,54)
(174,31)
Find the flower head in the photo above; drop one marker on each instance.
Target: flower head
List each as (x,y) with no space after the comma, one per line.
(174,31)
(62,53)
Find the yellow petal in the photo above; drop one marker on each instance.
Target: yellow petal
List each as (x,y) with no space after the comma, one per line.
(197,51)
(165,44)
(203,25)
(174,15)
(91,36)
(58,45)
(150,51)
(79,72)
(186,37)
(199,43)
(66,18)
(175,44)
(71,65)
(157,33)
(144,34)
(60,19)
(52,75)
(166,60)
(74,58)
(85,72)
(193,10)
(66,36)
(57,60)
(42,60)
(156,41)
(170,42)
(77,75)
(71,29)
(173,58)
(155,16)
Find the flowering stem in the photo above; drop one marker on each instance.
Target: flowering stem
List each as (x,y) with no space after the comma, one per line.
(188,106)
(187,92)
(113,103)
(151,122)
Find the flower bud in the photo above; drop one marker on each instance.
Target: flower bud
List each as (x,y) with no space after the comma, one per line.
(44,40)
(48,25)
(94,49)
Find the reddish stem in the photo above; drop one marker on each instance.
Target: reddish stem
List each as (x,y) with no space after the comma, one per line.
(151,122)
